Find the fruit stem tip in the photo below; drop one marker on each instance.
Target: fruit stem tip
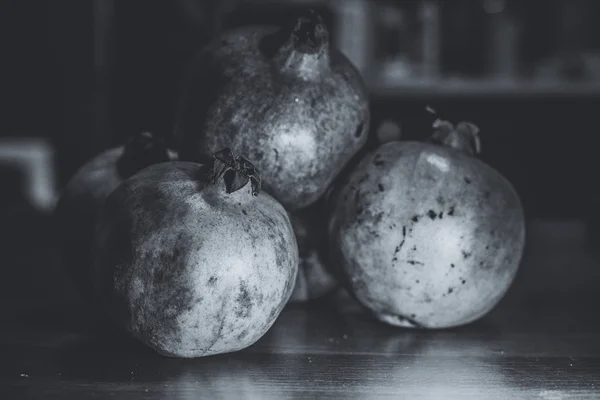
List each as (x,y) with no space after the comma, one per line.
(463,136)
(309,32)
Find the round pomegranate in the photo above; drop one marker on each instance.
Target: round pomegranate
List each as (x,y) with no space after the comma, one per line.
(425,233)
(82,198)
(313,280)
(194,260)
(285,97)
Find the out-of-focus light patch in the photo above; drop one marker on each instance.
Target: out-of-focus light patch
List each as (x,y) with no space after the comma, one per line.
(553,394)
(438,162)
(35,158)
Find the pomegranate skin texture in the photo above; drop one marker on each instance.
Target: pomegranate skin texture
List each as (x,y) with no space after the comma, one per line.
(285,97)
(194,260)
(425,234)
(83,196)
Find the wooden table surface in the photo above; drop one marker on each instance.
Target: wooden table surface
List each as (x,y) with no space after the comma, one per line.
(540,342)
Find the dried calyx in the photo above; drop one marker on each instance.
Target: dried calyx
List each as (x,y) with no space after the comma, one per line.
(235,171)
(301,48)
(140,151)
(463,136)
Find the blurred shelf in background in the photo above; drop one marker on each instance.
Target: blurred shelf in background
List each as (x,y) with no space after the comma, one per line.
(118,67)
(461,48)
(483,88)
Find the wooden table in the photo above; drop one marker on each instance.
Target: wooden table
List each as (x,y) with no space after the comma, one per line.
(540,342)
(540,350)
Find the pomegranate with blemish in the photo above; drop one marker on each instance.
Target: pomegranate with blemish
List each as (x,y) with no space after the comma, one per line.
(84,194)
(426,234)
(194,260)
(286,98)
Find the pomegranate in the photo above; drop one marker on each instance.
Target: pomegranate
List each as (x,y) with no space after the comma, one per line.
(425,234)
(85,192)
(194,260)
(285,97)
(313,280)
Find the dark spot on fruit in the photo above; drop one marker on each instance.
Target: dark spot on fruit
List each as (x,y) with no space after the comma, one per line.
(441,215)
(451,211)
(378,217)
(244,301)
(463,281)
(466,254)
(467,180)
(413,262)
(377,161)
(432,214)
(481,263)
(276,154)
(381,188)
(415,218)
(394,259)
(273,312)
(450,290)
(428,299)
(212,280)
(245,212)
(414,248)
(413,315)
(452,265)
(242,334)
(159,275)
(402,242)
(417,281)
(487,247)
(486,194)
(219,331)
(440,200)
(359,130)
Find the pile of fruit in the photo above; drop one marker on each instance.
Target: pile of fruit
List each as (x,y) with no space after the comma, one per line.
(196,250)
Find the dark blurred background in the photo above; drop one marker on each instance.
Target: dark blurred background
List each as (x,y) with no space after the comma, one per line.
(79,76)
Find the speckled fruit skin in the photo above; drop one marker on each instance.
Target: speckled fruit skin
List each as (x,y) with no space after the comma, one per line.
(426,236)
(83,196)
(314,280)
(298,110)
(189,269)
